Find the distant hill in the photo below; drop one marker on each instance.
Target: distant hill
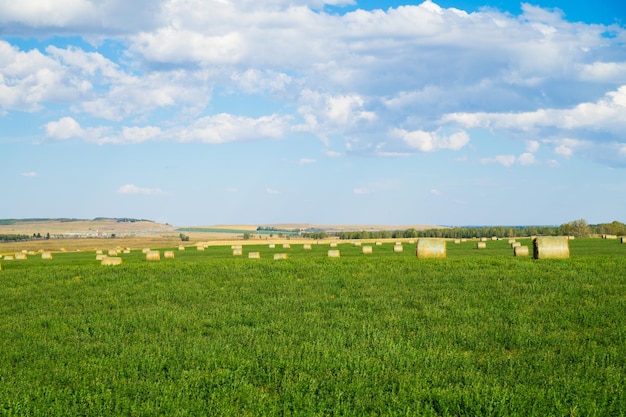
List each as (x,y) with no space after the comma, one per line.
(68,227)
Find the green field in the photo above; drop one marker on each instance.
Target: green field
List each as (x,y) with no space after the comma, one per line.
(481,333)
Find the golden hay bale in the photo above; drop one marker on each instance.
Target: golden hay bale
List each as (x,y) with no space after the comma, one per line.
(333,244)
(411,242)
(127,251)
(623,239)
(20,257)
(280,256)
(63,250)
(545,247)
(610,236)
(520,251)
(378,243)
(483,239)
(571,237)
(286,246)
(272,245)
(457,241)
(32,252)
(145,250)
(431,248)
(306,246)
(516,244)
(98,252)
(153,255)
(100,257)
(233,247)
(181,247)
(366,250)
(463,240)
(511,241)
(168,254)
(333,253)
(46,255)
(237,252)
(200,247)
(397,248)
(111,260)
(254,255)
(8,257)
(112,252)
(481,245)
(494,237)
(398,243)
(357,243)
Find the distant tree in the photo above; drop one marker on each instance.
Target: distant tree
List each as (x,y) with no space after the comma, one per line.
(183,237)
(578,228)
(246,236)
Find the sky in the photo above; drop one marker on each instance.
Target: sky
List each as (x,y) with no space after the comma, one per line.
(206,112)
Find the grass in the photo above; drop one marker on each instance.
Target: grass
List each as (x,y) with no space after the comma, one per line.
(479,333)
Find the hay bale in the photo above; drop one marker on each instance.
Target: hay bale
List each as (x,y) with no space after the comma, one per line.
(431,248)
(181,247)
(333,253)
(623,239)
(398,248)
(20,257)
(378,243)
(366,250)
(200,247)
(100,257)
(398,243)
(237,252)
(272,246)
(112,252)
(168,254)
(46,255)
(520,251)
(357,243)
(494,238)
(306,246)
(286,246)
(254,255)
(233,247)
(611,237)
(545,247)
(333,244)
(411,242)
(153,255)
(111,260)
(280,256)
(145,250)
(127,251)
(8,257)
(483,239)
(511,241)
(516,244)
(98,252)
(463,240)
(571,237)
(457,241)
(481,245)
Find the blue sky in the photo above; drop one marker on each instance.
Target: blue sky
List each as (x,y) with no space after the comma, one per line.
(203,112)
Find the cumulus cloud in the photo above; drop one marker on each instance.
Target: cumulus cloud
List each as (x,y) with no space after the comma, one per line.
(422,141)
(133,189)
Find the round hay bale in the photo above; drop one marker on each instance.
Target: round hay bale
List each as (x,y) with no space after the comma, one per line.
(233,247)
(463,240)
(306,246)
(481,245)
(511,241)
(280,256)
(168,254)
(153,255)
(100,257)
(46,255)
(333,253)
(254,255)
(181,247)
(546,247)
(111,260)
(612,237)
(398,243)
(430,248)
(200,247)
(516,244)
(272,246)
(98,252)
(483,239)
(520,250)
(112,252)
(357,243)
(237,252)
(623,239)
(8,257)
(286,246)
(571,237)
(145,250)
(494,237)
(379,243)
(20,257)
(366,250)
(333,244)
(397,248)
(456,241)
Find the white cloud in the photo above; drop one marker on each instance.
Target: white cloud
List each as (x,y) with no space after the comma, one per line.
(422,141)
(224,127)
(63,129)
(361,191)
(29,174)
(526,158)
(532,146)
(504,160)
(436,192)
(306,161)
(133,189)
(566,147)
(272,191)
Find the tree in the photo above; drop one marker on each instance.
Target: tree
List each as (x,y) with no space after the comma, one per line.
(183,237)
(578,228)
(246,236)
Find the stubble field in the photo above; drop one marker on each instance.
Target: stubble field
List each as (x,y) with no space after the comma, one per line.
(207,333)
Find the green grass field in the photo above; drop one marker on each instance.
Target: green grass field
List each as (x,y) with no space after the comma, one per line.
(481,333)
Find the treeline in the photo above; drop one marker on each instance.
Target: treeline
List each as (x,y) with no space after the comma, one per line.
(577,228)
(14,238)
